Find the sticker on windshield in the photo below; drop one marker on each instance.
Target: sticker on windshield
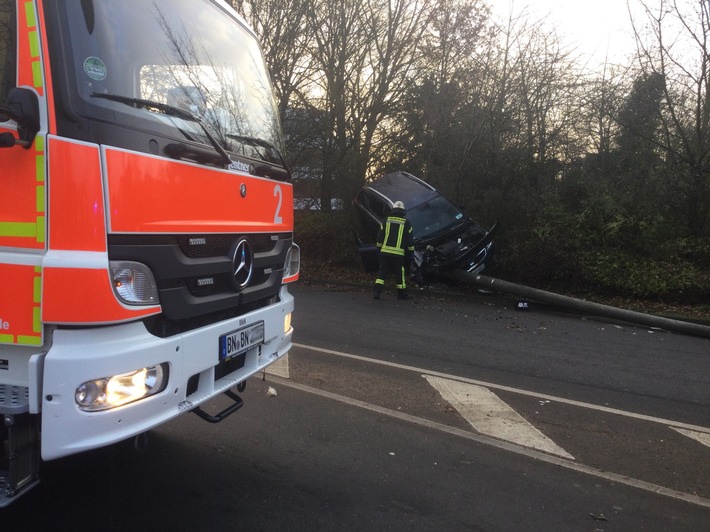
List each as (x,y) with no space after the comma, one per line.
(459,216)
(95,68)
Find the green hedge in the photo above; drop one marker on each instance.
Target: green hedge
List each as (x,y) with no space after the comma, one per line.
(675,272)
(568,255)
(328,238)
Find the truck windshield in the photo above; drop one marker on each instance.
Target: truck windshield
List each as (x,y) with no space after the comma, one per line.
(186,54)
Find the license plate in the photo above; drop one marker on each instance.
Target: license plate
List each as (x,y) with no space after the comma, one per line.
(241,340)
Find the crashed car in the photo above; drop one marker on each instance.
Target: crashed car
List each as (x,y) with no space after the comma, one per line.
(445,238)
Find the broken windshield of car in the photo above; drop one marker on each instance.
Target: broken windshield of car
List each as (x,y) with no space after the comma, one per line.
(433,216)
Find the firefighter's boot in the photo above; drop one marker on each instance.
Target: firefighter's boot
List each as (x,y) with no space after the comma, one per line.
(402,294)
(377,291)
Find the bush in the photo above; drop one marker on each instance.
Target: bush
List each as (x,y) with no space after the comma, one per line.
(326,237)
(576,254)
(616,272)
(562,255)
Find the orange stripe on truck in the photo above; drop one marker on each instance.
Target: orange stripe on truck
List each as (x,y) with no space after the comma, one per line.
(81,295)
(72,292)
(76,198)
(151,195)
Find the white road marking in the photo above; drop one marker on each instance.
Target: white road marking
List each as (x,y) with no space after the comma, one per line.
(491,385)
(280,368)
(702,437)
(507,446)
(488,414)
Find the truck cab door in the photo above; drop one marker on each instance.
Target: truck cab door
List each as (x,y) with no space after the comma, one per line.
(22,179)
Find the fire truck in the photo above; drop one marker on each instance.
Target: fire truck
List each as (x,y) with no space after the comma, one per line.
(146,222)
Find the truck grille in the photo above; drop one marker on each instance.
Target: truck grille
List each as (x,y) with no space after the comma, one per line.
(216,245)
(194,274)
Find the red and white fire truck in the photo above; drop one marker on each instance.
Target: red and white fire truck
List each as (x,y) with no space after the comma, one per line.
(146,222)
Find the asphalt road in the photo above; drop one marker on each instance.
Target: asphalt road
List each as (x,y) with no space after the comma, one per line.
(359,436)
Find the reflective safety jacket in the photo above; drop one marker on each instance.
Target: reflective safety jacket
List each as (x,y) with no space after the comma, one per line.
(396,236)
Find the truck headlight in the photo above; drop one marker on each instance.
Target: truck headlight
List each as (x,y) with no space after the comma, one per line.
(110,392)
(292,266)
(133,283)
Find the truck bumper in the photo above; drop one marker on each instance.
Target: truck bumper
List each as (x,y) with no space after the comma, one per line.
(78,356)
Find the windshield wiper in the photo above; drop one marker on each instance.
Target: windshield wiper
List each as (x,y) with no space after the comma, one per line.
(171,111)
(254,141)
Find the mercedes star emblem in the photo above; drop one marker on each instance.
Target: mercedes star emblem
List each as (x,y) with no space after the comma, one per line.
(242,263)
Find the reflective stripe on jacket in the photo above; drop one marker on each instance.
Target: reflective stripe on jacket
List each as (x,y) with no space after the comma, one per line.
(396,235)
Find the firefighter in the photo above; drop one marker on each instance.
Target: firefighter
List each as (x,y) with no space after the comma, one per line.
(395,241)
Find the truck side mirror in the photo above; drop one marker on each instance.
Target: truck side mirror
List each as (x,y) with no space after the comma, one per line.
(22,106)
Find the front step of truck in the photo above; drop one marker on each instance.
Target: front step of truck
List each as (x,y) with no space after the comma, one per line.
(19,465)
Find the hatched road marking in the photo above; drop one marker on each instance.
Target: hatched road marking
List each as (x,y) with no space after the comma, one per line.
(493,442)
(702,434)
(280,368)
(489,415)
(520,391)
(702,437)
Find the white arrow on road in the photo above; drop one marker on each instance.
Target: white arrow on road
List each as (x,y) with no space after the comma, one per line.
(489,415)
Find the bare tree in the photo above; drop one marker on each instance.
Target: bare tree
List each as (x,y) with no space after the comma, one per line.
(396,30)
(674,46)
(532,98)
(601,99)
(282,30)
(450,89)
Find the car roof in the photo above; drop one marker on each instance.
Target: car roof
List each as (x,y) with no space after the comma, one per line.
(404,187)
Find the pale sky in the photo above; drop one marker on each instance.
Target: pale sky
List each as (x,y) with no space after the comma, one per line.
(597,28)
